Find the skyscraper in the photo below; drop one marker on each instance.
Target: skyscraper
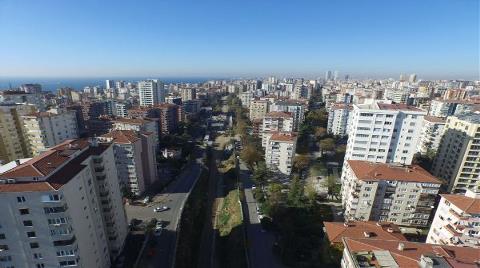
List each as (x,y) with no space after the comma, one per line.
(412,78)
(328,75)
(109,84)
(152,92)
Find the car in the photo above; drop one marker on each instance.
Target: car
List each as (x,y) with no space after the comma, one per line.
(146,199)
(160,209)
(254,187)
(158,228)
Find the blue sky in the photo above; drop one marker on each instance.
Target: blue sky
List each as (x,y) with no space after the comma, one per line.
(90,38)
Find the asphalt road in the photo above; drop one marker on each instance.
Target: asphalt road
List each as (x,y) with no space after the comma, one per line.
(259,242)
(174,197)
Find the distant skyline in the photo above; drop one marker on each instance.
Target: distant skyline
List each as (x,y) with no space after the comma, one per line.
(213,38)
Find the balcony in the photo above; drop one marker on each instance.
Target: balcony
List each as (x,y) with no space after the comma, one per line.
(452,230)
(97,160)
(458,216)
(99,169)
(101,178)
(62,243)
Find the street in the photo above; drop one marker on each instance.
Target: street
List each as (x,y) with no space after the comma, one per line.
(174,197)
(259,242)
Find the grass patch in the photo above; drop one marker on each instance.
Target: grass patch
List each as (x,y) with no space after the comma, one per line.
(230,216)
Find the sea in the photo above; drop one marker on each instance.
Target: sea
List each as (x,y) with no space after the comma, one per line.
(52,84)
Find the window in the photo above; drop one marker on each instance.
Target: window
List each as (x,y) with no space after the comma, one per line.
(24,211)
(34,245)
(31,234)
(40,265)
(21,199)
(3,247)
(28,223)
(5,258)
(2,236)
(37,256)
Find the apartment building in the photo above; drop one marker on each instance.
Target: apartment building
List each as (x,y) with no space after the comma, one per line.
(384,132)
(457,221)
(16,96)
(274,122)
(280,151)
(151,92)
(13,139)
(139,125)
(400,194)
(458,155)
(258,109)
(444,108)
(431,134)
(335,231)
(296,108)
(339,119)
(246,97)
(63,208)
(170,116)
(189,93)
(135,159)
(47,129)
(365,252)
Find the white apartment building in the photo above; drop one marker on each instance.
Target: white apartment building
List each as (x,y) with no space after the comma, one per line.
(458,155)
(397,95)
(280,151)
(134,163)
(457,221)
(12,97)
(258,109)
(296,108)
(275,122)
(151,92)
(63,208)
(246,97)
(339,119)
(121,109)
(382,132)
(431,134)
(400,194)
(47,129)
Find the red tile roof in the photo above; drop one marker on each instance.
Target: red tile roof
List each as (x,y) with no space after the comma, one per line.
(371,171)
(434,119)
(467,204)
(412,252)
(387,231)
(280,114)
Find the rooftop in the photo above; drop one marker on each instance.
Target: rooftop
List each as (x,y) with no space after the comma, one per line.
(473,118)
(53,168)
(373,252)
(279,114)
(122,136)
(284,136)
(467,204)
(362,229)
(434,119)
(371,171)
(398,107)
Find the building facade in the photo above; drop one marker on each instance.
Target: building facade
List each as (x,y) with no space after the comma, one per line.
(47,129)
(339,119)
(403,195)
(385,133)
(151,92)
(258,109)
(63,209)
(458,155)
(275,122)
(431,134)
(280,151)
(457,221)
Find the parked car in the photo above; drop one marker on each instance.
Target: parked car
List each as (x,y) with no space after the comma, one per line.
(160,209)
(146,199)
(158,228)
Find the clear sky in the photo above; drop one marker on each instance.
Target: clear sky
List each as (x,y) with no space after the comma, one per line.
(365,38)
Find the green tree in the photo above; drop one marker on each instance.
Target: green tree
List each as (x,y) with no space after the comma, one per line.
(261,174)
(295,193)
(310,194)
(332,186)
(320,133)
(301,162)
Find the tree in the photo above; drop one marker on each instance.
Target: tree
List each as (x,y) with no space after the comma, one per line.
(317,117)
(332,186)
(295,193)
(327,144)
(310,194)
(261,174)
(320,132)
(300,162)
(241,128)
(250,155)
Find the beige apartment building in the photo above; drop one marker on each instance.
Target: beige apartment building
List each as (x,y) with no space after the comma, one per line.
(458,155)
(47,129)
(258,109)
(395,193)
(13,141)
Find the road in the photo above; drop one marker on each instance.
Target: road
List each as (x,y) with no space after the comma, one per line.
(259,242)
(174,197)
